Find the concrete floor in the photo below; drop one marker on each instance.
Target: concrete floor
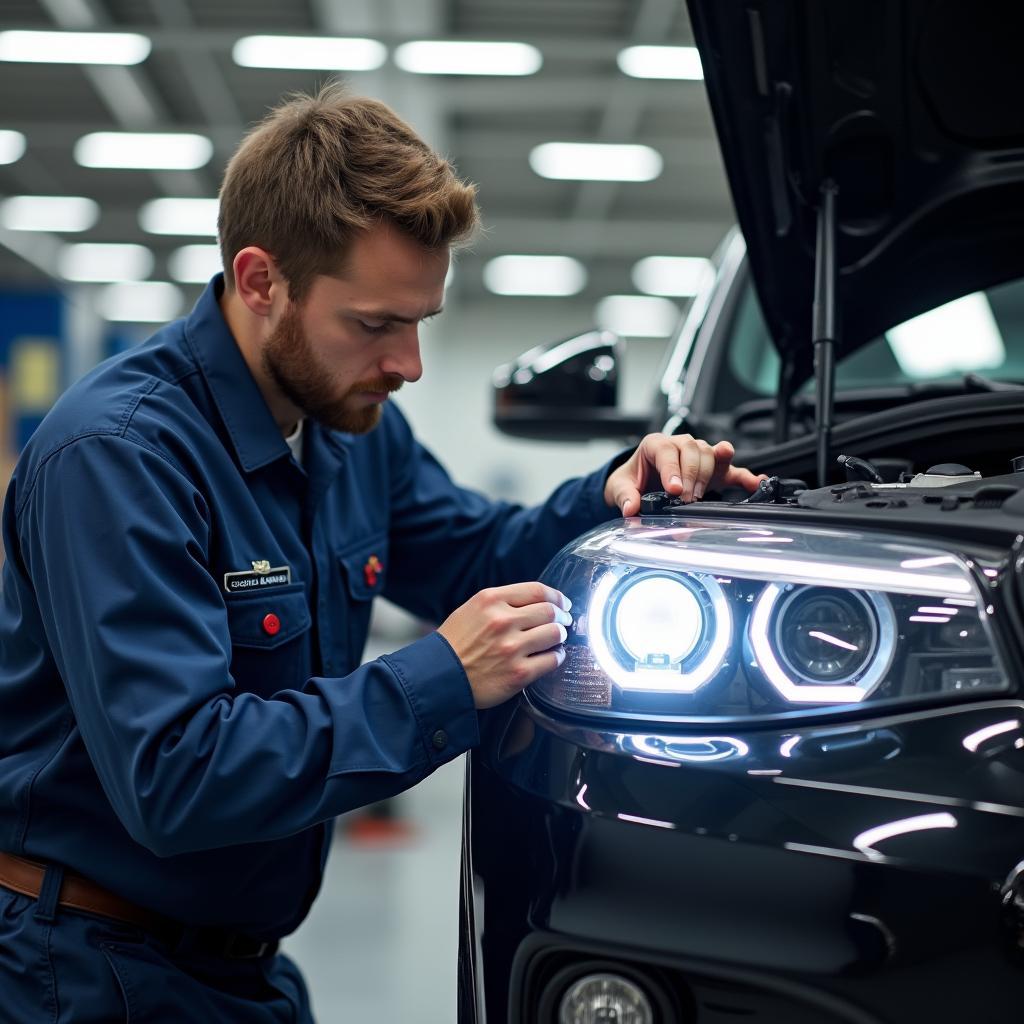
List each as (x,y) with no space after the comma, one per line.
(381,941)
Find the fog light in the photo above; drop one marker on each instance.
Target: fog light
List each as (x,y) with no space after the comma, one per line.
(603,998)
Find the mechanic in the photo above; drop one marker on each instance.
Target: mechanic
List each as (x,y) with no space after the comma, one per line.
(194,536)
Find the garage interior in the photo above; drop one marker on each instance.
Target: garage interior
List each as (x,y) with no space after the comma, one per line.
(388,906)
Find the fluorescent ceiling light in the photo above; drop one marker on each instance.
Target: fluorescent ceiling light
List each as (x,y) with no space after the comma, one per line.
(74,47)
(12,146)
(593,161)
(661,62)
(958,337)
(441,57)
(173,151)
(671,275)
(92,261)
(312,52)
(638,316)
(48,213)
(140,301)
(180,217)
(535,275)
(195,264)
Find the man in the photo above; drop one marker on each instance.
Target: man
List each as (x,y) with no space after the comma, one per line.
(194,537)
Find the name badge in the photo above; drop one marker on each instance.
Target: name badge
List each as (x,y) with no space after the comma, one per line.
(261,577)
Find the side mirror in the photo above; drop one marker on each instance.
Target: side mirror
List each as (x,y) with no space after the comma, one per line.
(565,391)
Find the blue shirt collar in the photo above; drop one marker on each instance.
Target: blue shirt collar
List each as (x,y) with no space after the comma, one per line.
(255,435)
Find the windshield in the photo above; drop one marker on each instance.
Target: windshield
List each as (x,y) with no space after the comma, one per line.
(980,333)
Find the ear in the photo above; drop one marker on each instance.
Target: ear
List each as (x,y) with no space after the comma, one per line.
(257,279)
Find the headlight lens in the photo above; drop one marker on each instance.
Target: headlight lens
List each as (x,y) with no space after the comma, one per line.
(682,619)
(820,644)
(658,630)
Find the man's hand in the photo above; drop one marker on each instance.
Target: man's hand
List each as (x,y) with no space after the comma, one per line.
(678,464)
(504,638)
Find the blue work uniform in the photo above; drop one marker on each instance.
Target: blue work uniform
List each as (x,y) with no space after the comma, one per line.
(183,614)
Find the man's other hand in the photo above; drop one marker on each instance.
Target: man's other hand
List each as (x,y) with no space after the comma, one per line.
(506,637)
(679,464)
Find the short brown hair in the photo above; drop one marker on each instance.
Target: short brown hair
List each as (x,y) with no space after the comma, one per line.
(320,169)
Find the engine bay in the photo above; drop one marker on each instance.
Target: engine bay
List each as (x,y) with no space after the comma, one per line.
(945,498)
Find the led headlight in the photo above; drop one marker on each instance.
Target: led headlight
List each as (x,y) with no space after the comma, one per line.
(659,630)
(822,644)
(679,619)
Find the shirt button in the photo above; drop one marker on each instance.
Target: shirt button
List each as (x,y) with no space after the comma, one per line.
(271,624)
(439,739)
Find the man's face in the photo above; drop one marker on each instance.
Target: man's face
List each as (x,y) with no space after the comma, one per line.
(354,338)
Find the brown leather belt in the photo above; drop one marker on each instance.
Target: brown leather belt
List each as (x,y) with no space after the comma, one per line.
(78,893)
(26,877)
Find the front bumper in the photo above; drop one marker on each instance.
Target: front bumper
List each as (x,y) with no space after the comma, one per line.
(842,872)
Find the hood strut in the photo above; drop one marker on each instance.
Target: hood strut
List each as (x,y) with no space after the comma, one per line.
(825,323)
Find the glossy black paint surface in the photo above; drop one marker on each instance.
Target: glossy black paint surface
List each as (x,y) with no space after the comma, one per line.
(730,863)
(925,155)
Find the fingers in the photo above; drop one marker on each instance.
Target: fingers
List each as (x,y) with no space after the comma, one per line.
(623,487)
(728,475)
(542,664)
(705,471)
(737,476)
(627,500)
(543,638)
(684,463)
(689,458)
(521,595)
(724,453)
(507,637)
(672,463)
(540,614)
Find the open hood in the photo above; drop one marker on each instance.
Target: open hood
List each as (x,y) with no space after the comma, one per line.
(913,108)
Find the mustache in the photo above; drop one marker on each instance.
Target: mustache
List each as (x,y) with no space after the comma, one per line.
(388,385)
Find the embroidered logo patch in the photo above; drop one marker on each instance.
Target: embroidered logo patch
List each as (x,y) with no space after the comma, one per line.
(261,577)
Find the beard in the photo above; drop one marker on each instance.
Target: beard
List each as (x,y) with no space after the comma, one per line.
(289,360)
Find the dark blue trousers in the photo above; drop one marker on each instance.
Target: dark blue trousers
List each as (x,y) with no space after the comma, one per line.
(59,966)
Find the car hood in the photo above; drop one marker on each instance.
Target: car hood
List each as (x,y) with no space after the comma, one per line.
(915,109)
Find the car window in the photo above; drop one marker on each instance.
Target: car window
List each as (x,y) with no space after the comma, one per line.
(979,333)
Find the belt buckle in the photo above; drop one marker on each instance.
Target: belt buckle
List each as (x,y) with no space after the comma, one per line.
(242,947)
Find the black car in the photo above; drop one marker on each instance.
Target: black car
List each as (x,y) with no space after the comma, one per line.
(780,774)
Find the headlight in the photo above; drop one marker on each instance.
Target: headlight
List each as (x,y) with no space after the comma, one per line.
(677,619)
(821,644)
(660,630)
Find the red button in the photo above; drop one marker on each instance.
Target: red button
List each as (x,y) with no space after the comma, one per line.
(271,624)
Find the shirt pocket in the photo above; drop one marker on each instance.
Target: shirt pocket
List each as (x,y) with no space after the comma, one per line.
(270,639)
(364,574)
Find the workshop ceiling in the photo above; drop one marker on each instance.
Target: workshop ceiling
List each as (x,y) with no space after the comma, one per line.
(487,125)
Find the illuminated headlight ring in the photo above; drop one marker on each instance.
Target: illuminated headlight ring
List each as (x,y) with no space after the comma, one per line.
(768,641)
(696,628)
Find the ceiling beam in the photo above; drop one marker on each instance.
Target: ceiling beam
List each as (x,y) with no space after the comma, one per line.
(616,239)
(127,92)
(620,118)
(199,68)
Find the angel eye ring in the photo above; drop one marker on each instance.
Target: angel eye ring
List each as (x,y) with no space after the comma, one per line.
(658,630)
(821,645)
